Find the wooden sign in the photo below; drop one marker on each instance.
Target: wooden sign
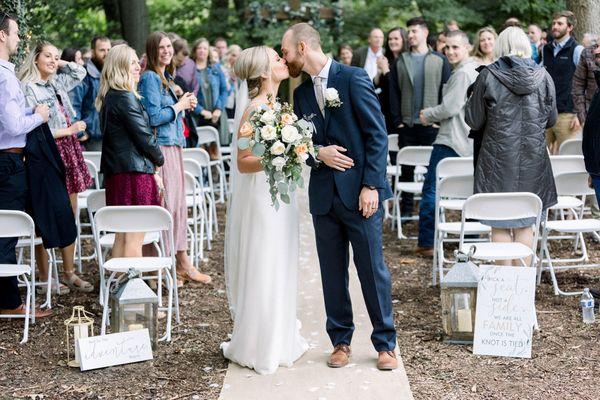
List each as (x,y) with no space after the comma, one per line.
(505,314)
(114,349)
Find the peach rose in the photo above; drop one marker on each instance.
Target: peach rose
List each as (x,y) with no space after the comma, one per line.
(287,119)
(246,129)
(300,149)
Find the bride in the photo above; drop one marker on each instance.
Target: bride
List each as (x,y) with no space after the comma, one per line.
(261,244)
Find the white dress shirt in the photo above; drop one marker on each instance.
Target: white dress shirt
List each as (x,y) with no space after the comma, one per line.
(324,75)
(371,62)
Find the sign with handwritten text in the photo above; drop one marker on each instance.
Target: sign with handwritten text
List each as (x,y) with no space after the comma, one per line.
(505,313)
(114,349)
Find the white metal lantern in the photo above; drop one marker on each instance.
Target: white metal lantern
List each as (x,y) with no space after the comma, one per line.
(459,299)
(80,325)
(134,306)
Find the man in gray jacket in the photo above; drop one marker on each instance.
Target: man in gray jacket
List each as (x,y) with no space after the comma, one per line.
(452,139)
(416,82)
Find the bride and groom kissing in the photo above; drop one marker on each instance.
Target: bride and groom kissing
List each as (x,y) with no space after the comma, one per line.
(347,185)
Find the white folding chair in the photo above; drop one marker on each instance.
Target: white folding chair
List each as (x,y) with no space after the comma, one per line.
(502,207)
(195,225)
(208,135)
(125,219)
(197,163)
(22,245)
(571,147)
(93,166)
(569,184)
(452,192)
(19,224)
(417,156)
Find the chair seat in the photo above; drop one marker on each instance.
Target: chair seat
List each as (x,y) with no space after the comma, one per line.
(142,264)
(574,225)
(82,202)
(420,170)
(471,228)
(410,187)
(453,205)
(107,241)
(8,270)
(85,193)
(393,170)
(225,150)
(566,202)
(24,242)
(498,250)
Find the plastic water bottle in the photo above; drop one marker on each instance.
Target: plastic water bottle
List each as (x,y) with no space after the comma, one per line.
(587,306)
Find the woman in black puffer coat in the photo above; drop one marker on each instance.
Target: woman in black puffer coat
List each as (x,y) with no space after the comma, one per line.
(513,102)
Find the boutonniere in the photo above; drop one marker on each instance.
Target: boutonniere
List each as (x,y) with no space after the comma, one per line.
(332,98)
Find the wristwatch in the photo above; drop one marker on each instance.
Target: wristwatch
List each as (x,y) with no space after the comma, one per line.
(370,187)
(317,161)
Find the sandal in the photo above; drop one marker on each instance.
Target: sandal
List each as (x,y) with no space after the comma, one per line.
(39,313)
(43,289)
(193,275)
(76,283)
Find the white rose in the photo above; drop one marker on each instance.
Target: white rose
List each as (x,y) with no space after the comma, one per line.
(289,134)
(302,157)
(277,106)
(277,148)
(268,132)
(331,94)
(268,117)
(278,163)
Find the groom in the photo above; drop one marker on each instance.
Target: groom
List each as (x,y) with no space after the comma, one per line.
(347,184)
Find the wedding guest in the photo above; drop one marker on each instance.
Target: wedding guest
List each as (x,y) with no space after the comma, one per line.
(221,45)
(589,39)
(452,139)
(185,81)
(16,120)
(345,54)
(534,32)
(560,58)
(42,84)
(86,54)
(131,156)
(366,57)
(591,137)
(395,45)
(233,83)
(452,25)
(484,45)
(165,113)
(84,95)
(416,83)
(212,94)
(513,101)
(440,42)
(584,82)
(71,54)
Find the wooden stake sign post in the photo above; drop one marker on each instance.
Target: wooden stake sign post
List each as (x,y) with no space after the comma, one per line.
(505,311)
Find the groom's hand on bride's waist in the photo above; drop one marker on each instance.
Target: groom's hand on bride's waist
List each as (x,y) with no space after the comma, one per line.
(333,157)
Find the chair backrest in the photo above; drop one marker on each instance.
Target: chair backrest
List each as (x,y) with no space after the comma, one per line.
(455,187)
(571,147)
(502,206)
(207,135)
(16,224)
(230,125)
(192,167)
(565,164)
(393,144)
(95,201)
(133,219)
(414,155)
(454,166)
(190,183)
(573,184)
(93,172)
(201,156)
(94,157)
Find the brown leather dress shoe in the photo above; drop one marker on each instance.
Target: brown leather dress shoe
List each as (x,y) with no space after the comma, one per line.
(424,251)
(387,360)
(340,356)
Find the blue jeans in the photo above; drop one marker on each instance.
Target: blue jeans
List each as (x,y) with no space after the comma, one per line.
(427,206)
(596,182)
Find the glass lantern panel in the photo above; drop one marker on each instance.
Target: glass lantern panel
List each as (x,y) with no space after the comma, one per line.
(134,317)
(461,312)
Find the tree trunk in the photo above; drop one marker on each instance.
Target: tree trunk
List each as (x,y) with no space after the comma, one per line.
(587,13)
(134,23)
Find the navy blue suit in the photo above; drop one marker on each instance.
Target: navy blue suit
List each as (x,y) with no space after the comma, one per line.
(357,125)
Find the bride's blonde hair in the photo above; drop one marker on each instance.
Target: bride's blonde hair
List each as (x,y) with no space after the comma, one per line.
(251,65)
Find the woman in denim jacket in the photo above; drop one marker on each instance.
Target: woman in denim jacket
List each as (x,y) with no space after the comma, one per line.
(166,118)
(42,85)
(212,94)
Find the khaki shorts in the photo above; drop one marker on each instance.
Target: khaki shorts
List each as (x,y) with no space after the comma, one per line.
(560,132)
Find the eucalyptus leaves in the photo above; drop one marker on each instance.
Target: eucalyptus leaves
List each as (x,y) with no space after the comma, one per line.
(284,143)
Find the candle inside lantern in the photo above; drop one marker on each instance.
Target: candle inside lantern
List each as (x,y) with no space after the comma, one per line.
(135,327)
(464,322)
(79,331)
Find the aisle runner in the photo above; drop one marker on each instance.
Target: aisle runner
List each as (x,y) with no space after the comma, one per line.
(310,378)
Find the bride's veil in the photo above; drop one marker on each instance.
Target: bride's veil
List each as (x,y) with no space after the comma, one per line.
(235,209)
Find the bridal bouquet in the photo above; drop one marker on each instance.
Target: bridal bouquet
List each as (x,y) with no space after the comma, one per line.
(284,142)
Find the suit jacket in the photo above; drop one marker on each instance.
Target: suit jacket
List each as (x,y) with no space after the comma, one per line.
(358,126)
(359,57)
(48,200)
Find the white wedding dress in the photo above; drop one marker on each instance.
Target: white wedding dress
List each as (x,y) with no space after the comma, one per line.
(261,271)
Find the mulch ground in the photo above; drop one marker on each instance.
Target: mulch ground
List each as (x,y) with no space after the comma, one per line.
(565,351)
